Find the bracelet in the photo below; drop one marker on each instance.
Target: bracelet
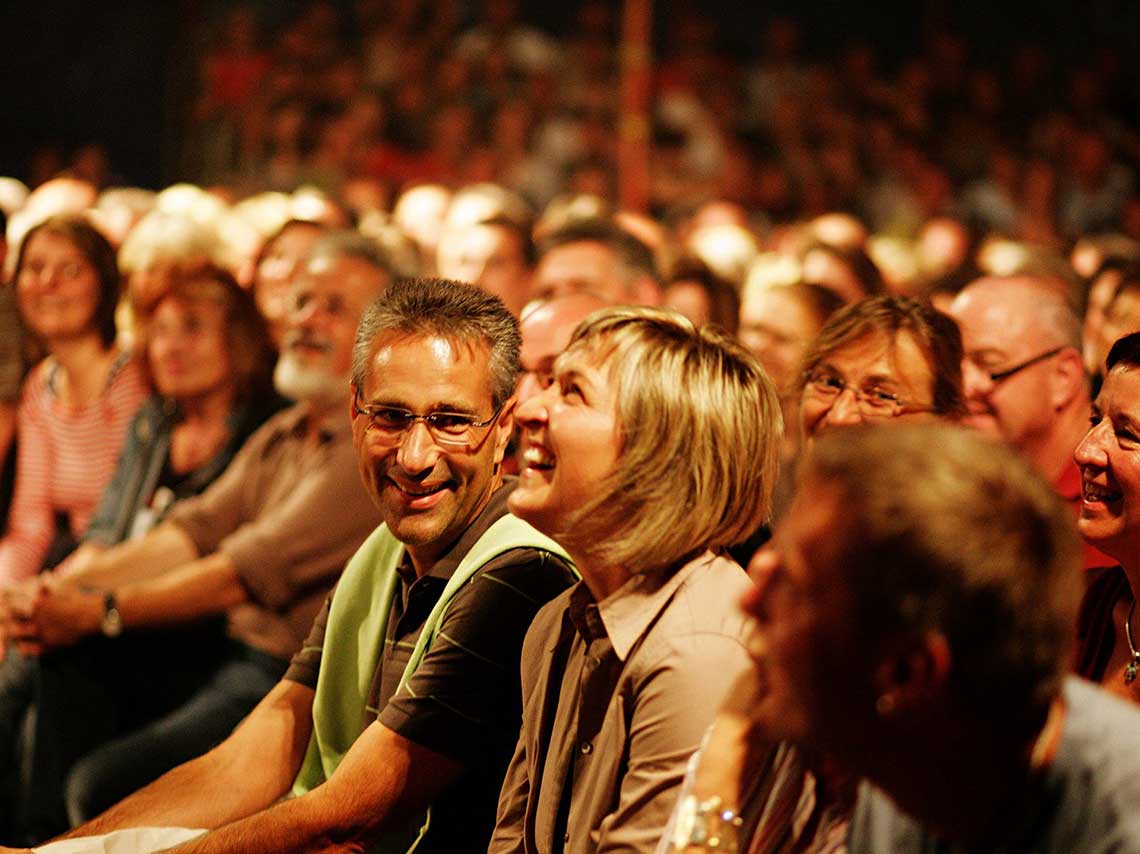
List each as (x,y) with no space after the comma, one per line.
(706,824)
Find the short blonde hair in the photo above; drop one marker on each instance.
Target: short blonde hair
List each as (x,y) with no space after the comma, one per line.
(700,428)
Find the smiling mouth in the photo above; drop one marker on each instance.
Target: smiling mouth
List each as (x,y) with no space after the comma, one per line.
(535,457)
(1092,493)
(420,490)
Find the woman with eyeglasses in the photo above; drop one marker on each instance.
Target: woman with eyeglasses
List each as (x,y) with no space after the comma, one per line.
(77,403)
(884,357)
(653,449)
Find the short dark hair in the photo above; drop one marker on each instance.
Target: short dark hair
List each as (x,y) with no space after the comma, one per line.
(346,243)
(520,231)
(633,254)
(856,260)
(98,252)
(936,334)
(454,310)
(1125,352)
(951,532)
(723,297)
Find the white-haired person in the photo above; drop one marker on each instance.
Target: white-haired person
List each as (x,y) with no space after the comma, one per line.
(652,450)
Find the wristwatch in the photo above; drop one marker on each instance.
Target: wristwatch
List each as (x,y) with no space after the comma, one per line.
(706,824)
(112,624)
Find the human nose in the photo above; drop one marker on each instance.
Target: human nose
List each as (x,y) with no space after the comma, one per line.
(1090,451)
(844,409)
(761,569)
(418,450)
(976,383)
(529,387)
(533,411)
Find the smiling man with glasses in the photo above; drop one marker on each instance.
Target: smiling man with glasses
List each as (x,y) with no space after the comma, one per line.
(393,727)
(1024,379)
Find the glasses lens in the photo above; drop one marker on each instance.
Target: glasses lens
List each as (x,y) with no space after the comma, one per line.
(450,424)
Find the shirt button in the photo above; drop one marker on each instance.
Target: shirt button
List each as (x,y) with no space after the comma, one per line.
(586,747)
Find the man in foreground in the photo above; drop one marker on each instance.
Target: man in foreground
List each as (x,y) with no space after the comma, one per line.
(914,618)
(406,693)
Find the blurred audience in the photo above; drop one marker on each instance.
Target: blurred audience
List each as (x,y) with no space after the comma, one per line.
(77,403)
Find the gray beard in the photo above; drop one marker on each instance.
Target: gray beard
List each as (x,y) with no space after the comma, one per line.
(299,383)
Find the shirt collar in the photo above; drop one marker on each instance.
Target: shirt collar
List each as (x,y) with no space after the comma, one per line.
(628,612)
(330,425)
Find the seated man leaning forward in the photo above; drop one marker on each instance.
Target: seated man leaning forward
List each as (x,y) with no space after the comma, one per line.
(652,450)
(406,693)
(914,620)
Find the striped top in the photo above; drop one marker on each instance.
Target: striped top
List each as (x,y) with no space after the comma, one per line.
(66,458)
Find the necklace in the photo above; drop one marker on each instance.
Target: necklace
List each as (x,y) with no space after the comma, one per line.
(1133,667)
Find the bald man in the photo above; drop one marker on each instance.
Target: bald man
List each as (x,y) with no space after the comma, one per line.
(1023,375)
(546,327)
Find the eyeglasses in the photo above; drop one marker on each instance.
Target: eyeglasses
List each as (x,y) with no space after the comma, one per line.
(390,424)
(998,376)
(826,386)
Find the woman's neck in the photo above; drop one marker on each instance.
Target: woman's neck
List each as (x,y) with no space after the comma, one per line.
(212,407)
(84,365)
(603,579)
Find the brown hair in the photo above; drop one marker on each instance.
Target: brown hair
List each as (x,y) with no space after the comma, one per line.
(935,333)
(700,432)
(98,252)
(248,344)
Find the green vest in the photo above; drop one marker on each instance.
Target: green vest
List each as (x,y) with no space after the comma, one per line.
(357,627)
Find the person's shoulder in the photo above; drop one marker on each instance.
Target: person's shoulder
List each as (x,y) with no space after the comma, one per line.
(709,596)
(1102,731)
(530,572)
(877,825)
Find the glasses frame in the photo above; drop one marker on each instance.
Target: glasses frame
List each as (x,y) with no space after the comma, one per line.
(862,398)
(440,439)
(999,376)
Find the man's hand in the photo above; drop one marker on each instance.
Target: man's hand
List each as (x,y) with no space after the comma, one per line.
(17,604)
(51,617)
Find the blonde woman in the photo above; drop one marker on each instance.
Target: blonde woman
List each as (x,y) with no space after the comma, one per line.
(652,450)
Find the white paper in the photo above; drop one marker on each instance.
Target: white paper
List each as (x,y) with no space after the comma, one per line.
(134,840)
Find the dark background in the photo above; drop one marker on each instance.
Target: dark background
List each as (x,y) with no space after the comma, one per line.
(121,73)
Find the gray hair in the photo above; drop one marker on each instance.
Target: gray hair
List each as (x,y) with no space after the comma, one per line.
(346,243)
(454,310)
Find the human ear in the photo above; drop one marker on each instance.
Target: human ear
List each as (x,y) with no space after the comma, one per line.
(504,427)
(912,674)
(1069,378)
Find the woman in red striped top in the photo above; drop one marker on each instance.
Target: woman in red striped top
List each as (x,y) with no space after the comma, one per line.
(76,404)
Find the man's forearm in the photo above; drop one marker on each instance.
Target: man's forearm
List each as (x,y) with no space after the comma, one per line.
(382,781)
(247,772)
(162,549)
(199,589)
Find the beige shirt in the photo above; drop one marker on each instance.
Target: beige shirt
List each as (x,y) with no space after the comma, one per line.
(616,697)
(289,513)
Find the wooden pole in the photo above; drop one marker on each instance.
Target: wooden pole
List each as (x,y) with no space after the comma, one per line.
(634,116)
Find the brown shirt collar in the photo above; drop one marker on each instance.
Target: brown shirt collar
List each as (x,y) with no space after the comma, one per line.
(626,614)
(332,425)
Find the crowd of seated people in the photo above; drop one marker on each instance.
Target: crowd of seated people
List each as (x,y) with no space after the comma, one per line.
(400,491)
